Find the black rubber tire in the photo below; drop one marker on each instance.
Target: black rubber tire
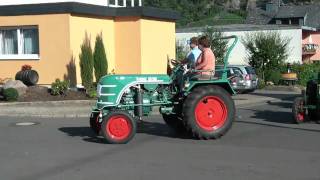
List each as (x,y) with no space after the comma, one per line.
(130,120)
(94,124)
(175,122)
(314,114)
(296,109)
(189,111)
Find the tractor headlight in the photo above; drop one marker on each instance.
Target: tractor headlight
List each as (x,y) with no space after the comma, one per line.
(99,90)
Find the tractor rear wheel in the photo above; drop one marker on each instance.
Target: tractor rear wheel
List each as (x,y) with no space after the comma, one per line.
(118,127)
(298,111)
(174,122)
(209,112)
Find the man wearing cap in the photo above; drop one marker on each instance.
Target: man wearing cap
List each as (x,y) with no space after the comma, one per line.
(193,55)
(195,52)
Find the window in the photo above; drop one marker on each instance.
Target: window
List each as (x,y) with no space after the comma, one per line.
(19,43)
(301,22)
(278,21)
(250,70)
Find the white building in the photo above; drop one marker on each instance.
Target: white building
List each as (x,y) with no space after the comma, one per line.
(112,3)
(239,54)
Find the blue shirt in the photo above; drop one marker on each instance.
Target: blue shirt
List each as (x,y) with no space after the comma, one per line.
(193,55)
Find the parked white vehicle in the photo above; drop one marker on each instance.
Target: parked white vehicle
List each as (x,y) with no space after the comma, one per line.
(249,75)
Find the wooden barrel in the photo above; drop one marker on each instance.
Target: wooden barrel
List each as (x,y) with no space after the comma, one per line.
(28,77)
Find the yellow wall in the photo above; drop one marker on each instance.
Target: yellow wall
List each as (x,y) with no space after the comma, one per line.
(127,44)
(79,25)
(157,45)
(133,45)
(53,43)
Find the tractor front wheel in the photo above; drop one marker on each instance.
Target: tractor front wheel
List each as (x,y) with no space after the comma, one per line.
(94,123)
(118,127)
(209,112)
(298,111)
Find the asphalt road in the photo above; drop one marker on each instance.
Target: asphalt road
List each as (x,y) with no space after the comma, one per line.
(263,144)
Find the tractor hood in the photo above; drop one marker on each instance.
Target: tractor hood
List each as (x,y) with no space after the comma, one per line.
(111,87)
(144,78)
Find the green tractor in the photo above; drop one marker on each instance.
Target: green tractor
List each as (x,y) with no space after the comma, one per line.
(307,107)
(187,101)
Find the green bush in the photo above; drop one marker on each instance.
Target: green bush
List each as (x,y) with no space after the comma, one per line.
(261,84)
(86,63)
(10,94)
(219,46)
(267,52)
(92,93)
(100,58)
(59,87)
(273,76)
(305,72)
(180,52)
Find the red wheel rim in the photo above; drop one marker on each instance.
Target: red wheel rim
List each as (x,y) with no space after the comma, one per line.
(300,117)
(118,127)
(211,113)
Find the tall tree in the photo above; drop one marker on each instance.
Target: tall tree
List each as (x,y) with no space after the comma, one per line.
(219,46)
(86,63)
(100,58)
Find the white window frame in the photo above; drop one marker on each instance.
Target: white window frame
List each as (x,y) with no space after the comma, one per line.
(20,55)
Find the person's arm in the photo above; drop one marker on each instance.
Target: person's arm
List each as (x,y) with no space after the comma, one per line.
(202,62)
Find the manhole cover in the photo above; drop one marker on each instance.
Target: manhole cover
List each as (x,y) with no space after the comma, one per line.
(26,124)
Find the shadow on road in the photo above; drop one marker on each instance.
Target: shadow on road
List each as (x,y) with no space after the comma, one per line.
(151,128)
(84,132)
(276,118)
(279,126)
(280,96)
(159,129)
(273,116)
(282,104)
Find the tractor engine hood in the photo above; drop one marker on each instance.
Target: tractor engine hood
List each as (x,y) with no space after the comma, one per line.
(112,87)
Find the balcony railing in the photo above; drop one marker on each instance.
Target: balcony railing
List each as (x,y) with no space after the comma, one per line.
(124,3)
(309,49)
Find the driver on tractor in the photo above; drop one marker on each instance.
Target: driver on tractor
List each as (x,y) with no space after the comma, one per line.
(192,56)
(206,61)
(200,57)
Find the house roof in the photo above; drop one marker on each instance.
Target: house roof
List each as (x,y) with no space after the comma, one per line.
(86,9)
(310,13)
(239,27)
(312,18)
(292,11)
(259,16)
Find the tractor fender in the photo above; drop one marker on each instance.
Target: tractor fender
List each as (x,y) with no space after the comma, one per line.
(224,85)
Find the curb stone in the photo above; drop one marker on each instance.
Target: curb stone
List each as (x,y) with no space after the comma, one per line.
(55,111)
(54,103)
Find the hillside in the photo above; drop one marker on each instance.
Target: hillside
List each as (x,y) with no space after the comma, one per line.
(214,12)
